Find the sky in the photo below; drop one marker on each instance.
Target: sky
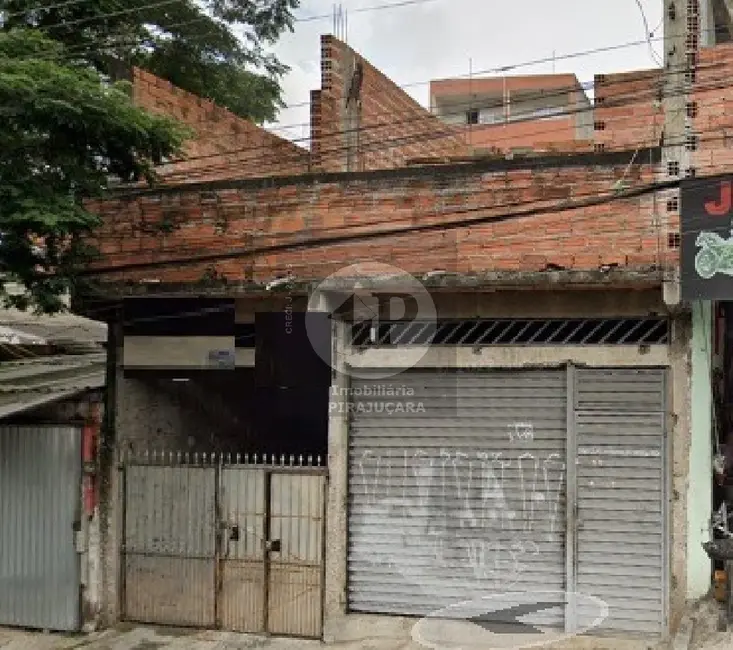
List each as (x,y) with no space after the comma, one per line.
(435,39)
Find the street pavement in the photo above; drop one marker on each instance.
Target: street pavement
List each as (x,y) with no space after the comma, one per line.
(130,637)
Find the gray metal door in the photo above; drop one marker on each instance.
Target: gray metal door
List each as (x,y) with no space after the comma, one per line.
(170,544)
(621,495)
(295,568)
(243,562)
(40,501)
(272,563)
(456,489)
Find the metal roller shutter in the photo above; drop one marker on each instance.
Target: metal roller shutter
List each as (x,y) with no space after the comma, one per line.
(621,541)
(462,498)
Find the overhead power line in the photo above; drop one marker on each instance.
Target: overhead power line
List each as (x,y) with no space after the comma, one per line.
(655,224)
(461,107)
(445,132)
(161,3)
(649,35)
(380,125)
(202,243)
(41,7)
(604,183)
(503,69)
(104,16)
(392,232)
(366,231)
(486,71)
(312,269)
(448,130)
(494,70)
(299,19)
(284,158)
(360,10)
(418,138)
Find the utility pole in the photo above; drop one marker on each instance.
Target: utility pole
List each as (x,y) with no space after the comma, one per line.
(676,85)
(687,27)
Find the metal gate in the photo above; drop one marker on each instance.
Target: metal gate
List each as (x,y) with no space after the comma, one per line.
(40,501)
(224,541)
(456,489)
(621,494)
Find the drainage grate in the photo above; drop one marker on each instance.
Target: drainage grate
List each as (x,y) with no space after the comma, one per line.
(580,331)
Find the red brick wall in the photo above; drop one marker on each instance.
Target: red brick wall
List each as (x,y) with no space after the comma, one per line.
(557,134)
(224,146)
(382,128)
(628,111)
(262,214)
(712,107)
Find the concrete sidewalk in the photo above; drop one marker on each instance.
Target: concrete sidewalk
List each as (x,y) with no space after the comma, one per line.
(130,637)
(147,638)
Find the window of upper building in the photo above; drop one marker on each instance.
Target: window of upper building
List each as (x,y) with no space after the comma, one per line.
(472,116)
(491,116)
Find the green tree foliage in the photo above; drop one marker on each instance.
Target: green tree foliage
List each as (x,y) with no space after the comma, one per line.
(213,48)
(64,133)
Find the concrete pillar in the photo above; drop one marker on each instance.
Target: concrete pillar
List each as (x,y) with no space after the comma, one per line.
(699,487)
(109,487)
(338,456)
(679,429)
(675,89)
(707,20)
(336,513)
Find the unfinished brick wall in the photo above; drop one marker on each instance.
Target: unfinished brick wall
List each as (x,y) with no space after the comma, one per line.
(628,110)
(257,214)
(361,120)
(225,145)
(710,113)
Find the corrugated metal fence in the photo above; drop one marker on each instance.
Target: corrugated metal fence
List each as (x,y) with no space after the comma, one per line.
(40,499)
(224,541)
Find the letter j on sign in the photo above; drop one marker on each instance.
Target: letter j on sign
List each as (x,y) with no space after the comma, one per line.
(706,224)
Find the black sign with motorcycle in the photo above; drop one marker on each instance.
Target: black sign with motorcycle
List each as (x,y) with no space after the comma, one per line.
(706,220)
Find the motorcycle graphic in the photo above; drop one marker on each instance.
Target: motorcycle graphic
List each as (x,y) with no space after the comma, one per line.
(715,255)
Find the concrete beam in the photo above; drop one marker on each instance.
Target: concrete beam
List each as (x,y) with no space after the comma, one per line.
(723,18)
(436,280)
(672,289)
